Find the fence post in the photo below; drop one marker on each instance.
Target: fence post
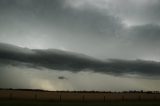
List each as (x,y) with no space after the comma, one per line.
(104,98)
(122,97)
(60,97)
(140,98)
(83,98)
(10,95)
(35,96)
(155,97)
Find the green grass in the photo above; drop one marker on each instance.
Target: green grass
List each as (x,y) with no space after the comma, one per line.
(43,103)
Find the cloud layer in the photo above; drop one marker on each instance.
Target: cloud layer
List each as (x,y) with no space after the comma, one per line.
(125,29)
(99,37)
(13,76)
(74,62)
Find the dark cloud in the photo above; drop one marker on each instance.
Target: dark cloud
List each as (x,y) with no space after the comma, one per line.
(146,33)
(126,30)
(135,12)
(86,29)
(52,24)
(57,13)
(142,42)
(54,59)
(62,77)
(63,60)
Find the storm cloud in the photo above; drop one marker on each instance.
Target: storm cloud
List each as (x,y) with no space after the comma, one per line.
(103,29)
(74,62)
(84,41)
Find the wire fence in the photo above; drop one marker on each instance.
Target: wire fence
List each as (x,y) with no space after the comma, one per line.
(77,97)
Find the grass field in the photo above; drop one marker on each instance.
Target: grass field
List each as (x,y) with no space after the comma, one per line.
(42,103)
(63,98)
(76,96)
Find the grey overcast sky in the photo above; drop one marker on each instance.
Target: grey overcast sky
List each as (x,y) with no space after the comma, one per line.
(80,44)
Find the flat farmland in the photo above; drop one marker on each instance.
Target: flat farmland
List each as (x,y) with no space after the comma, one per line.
(64,96)
(78,97)
(49,103)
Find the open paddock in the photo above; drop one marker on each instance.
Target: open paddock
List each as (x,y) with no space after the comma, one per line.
(63,96)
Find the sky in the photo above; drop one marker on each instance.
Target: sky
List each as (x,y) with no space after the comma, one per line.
(104,45)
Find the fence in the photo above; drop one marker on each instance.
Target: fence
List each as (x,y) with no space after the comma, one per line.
(76,97)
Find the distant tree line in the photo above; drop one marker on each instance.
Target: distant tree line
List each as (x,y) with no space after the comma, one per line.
(130,91)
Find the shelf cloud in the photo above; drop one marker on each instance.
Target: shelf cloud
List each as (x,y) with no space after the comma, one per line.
(74,62)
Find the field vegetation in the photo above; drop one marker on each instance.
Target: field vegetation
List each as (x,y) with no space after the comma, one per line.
(77,96)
